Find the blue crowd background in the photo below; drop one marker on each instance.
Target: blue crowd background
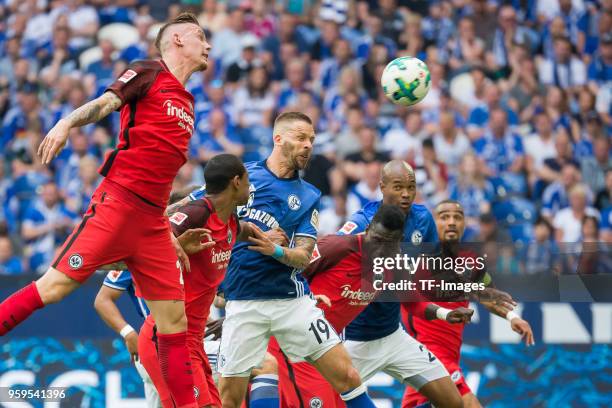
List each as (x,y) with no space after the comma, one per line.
(516,125)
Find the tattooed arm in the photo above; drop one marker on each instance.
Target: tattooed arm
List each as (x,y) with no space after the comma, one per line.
(299,256)
(296,257)
(91,112)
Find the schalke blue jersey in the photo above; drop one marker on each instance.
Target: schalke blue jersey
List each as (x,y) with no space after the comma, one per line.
(122,280)
(289,203)
(380,319)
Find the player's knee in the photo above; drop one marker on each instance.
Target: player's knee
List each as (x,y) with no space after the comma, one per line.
(50,292)
(349,380)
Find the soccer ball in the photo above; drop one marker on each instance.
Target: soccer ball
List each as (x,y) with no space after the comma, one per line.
(406,81)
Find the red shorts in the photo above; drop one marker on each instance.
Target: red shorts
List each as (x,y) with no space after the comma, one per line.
(413,398)
(147,354)
(206,390)
(300,384)
(120,226)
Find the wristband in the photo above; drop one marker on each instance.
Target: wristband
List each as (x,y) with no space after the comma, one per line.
(127,329)
(512,315)
(278,252)
(442,312)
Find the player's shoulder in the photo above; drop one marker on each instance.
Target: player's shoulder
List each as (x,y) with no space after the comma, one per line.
(369,209)
(146,65)
(419,211)
(310,191)
(340,241)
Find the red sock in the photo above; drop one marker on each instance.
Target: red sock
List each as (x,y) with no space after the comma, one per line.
(18,307)
(176,368)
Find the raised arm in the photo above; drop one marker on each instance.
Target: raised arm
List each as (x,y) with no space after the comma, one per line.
(91,112)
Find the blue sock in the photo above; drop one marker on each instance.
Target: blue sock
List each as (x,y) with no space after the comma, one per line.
(264,392)
(357,398)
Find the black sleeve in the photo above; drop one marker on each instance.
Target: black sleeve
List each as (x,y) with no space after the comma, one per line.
(328,252)
(189,216)
(135,81)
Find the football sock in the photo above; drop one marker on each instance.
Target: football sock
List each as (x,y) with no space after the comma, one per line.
(175,366)
(264,392)
(357,398)
(18,307)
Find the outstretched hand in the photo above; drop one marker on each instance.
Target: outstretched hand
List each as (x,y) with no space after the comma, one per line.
(460,315)
(261,242)
(497,299)
(524,329)
(54,142)
(195,240)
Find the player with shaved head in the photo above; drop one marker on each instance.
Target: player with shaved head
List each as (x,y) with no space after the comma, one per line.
(375,339)
(125,220)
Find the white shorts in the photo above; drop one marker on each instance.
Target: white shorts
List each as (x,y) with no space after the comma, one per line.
(398,355)
(298,325)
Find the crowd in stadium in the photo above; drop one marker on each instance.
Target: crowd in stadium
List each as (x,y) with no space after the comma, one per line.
(516,125)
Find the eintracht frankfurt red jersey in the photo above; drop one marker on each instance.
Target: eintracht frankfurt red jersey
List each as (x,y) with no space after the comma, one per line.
(157,122)
(208,266)
(336,270)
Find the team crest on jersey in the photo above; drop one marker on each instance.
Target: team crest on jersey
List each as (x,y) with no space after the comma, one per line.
(456,376)
(229,236)
(127,76)
(314,219)
(294,202)
(315,254)
(178,218)
(113,276)
(196,392)
(75,261)
(416,237)
(316,402)
(348,227)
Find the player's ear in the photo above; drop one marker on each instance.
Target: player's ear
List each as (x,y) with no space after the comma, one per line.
(277,139)
(176,38)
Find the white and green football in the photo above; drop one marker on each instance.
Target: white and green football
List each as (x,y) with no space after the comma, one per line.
(406,81)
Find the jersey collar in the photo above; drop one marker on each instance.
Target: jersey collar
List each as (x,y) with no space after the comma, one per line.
(264,164)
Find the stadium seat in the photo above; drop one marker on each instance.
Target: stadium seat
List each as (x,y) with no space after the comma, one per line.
(88,56)
(120,34)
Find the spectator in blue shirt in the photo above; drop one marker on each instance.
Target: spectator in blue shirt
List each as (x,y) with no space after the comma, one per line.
(556,195)
(286,34)
(9,263)
(500,149)
(220,138)
(46,224)
(28,114)
(330,67)
(600,69)
(542,255)
(478,119)
(140,49)
(103,68)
